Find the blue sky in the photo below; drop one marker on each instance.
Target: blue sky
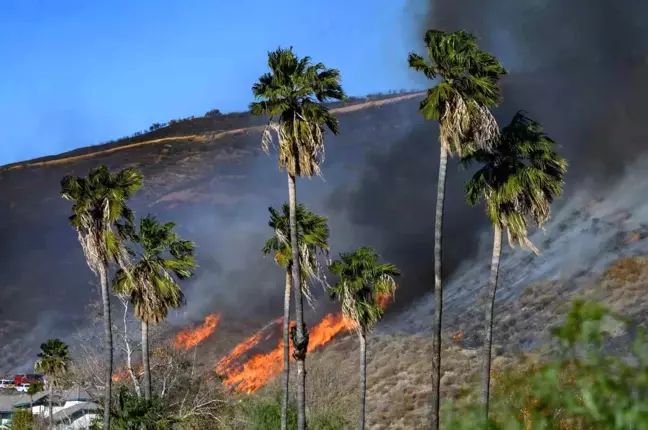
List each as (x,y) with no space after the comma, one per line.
(77,72)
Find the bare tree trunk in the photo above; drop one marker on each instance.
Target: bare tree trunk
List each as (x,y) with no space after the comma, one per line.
(50,395)
(490,309)
(145,360)
(438,292)
(300,335)
(127,348)
(286,339)
(363,379)
(108,344)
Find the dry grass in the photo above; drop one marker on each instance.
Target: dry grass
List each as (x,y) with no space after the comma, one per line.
(398,373)
(206,137)
(399,367)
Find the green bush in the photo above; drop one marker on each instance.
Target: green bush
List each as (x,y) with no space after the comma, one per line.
(265,413)
(584,387)
(22,419)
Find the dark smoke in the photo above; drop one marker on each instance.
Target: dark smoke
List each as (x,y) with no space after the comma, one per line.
(578,67)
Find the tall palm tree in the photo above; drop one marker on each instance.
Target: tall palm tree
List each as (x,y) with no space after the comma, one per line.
(160,254)
(362,281)
(518,181)
(460,102)
(53,361)
(313,235)
(99,202)
(292,96)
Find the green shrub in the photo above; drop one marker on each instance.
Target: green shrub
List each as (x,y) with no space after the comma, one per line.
(22,419)
(585,387)
(264,414)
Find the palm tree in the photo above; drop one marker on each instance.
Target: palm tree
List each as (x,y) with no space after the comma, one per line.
(518,180)
(313,235)
(53,361)
(99,202)
(362,281)
(460,102)
(292,96)
(149,282)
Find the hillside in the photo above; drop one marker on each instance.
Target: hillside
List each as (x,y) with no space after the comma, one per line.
(202,173)
(209,175)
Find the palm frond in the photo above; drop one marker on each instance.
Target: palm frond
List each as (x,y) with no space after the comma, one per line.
(519,179)
(150,282)
(361,283)
(467,89)
(313,236)
(292,96)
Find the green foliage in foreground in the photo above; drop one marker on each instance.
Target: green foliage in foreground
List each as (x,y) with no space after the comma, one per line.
(135,413)
(266,414)
(22,419)
(583,388)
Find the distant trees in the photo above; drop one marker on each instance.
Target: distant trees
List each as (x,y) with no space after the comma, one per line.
(362,282)
(460,102)
(292,96)
(213,113)
(156,126)
(99,201)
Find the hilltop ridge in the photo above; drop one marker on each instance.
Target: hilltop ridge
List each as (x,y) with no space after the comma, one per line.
(211,126)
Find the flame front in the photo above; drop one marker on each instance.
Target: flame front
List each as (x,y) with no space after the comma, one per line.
(188,338)
(224,365)
(261,368)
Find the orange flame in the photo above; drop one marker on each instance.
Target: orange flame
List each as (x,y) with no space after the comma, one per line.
(123,373)
(261,368)
(457,336)
(224,364)
(188,338)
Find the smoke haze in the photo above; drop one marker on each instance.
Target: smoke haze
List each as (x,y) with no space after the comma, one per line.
(578,68)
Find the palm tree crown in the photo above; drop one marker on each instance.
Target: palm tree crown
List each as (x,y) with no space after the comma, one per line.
(519,179)
(361,281)
(161,254)
(54,358)
(468,87)
(100,201)
(292,96)
(313,236)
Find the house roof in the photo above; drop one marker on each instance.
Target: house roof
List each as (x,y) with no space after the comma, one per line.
(10,401)
(67,413)
(75,394)
(24,400)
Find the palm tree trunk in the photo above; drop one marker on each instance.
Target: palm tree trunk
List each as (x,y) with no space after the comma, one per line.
(300,340)
(145,360)
(50,395)
(286,340)
(108,344)
(438,292)
(363,379)
(488,344)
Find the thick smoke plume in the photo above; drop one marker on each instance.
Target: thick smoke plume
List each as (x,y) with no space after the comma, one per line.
(578,67)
